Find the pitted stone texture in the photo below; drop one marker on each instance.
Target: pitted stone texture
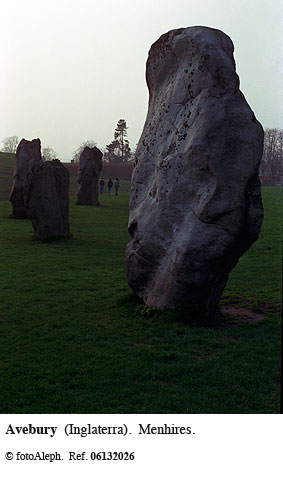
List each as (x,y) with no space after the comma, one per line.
(88,176)
(28,153)
(195,197)
(47,200)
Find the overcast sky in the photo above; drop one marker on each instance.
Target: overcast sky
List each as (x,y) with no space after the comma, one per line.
(70,69)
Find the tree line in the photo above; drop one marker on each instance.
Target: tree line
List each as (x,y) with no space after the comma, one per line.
(10,144)
(272,157)
(119,151)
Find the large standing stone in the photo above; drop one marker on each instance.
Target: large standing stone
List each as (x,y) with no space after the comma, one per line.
(47,200)
(195,198)
(88,175)
(28,153)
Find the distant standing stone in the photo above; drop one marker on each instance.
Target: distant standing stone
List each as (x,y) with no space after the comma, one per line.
(88,176)
(195,195)
(47,200)
(28,153)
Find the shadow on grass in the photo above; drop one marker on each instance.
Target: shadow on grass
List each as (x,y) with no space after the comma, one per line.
(188,315)
(72,243)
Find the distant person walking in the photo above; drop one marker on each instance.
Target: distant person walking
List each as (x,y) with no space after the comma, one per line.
(116,186)
(110,184)
(101,185)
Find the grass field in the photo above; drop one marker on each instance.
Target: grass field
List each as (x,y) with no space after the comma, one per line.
(75,340)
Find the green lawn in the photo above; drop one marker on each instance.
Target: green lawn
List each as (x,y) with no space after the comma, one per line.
(75,340)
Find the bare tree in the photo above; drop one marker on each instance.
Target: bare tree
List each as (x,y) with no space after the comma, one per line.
(48,154)
(77,153)
(10,144)
(272,157)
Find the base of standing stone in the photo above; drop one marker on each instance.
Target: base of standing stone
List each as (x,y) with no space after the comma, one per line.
(53,238)
(79,203)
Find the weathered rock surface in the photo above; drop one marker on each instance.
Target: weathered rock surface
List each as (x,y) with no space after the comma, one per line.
(46,195)
(195,198)
(88,175)
(28,153)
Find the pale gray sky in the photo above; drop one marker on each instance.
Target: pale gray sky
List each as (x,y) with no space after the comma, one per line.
(70,69)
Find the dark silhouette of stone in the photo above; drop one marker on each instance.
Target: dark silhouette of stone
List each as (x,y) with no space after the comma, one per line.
(195,198)
(46,195)
(88,176)
(28,153)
